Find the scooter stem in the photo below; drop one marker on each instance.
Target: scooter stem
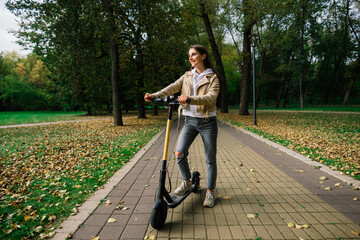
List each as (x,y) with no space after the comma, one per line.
(167,136)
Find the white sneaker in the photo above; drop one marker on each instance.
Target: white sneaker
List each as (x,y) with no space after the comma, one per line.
(209,199)
(183,188)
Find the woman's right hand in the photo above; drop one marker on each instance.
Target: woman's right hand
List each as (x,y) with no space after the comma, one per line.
(148,97)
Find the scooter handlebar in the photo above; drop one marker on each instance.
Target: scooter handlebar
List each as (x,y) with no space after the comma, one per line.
(168,99)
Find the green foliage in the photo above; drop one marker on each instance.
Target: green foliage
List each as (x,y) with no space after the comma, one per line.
(312,43)
(17,94)
(25,84)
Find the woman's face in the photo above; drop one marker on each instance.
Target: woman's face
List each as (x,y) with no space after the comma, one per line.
(196,59)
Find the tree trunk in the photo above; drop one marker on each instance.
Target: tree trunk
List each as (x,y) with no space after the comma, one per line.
(354,75)
(330,87)
(246,68)
(279,95)
(224,107)
(116,91)
(286,96)
(155,109)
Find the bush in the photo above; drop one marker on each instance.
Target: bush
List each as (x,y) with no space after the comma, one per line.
(17,94)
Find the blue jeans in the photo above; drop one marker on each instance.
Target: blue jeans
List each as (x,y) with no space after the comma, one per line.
(208,131)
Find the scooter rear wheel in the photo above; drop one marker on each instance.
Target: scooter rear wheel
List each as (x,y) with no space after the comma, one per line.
(158,215)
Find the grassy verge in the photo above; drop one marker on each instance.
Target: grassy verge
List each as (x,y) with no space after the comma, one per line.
(332,139)
(295,107)
(48,170)
(10,118)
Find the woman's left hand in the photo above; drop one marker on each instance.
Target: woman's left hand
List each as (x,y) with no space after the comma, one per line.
(183,99)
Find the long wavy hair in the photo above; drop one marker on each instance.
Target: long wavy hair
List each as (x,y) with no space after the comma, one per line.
(207,61)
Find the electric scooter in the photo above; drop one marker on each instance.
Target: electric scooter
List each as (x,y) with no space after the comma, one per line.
(164,200)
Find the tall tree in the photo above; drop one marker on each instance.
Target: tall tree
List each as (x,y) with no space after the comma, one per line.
(116,91)
(219,65)
(246,67)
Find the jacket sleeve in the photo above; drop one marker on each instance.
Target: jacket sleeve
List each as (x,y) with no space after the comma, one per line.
(210,97)
(171,89)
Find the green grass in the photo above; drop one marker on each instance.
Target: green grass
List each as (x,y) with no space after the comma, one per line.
(295,107)
(47,171)
(10,118)
(330,138)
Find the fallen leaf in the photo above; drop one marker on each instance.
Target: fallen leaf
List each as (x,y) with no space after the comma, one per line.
(291,225)
(39,229)
(323,178)
(299,226)
(337,185)
(248,189)
(111,220)
(108,202)
(227,197)
(306,226)
(355,199)
(251,216)
(52,218)
(327,189)
(151,237)
(95,238)
(77,186)
(354,232)
(300,171)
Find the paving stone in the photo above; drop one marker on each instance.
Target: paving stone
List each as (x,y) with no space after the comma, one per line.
(282,195)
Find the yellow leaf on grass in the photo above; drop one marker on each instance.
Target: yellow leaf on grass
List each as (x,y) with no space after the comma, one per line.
(77,186)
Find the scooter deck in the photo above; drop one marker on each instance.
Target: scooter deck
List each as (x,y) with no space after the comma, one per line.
(178,199)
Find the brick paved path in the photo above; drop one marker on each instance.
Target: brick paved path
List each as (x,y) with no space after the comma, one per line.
(253,178)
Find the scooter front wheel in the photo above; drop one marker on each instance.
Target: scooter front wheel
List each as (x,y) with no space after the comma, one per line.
(158,215)
(195,178)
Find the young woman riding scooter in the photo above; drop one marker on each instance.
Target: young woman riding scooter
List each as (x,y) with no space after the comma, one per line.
(199,89)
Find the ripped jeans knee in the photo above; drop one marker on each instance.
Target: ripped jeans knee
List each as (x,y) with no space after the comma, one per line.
(183,165)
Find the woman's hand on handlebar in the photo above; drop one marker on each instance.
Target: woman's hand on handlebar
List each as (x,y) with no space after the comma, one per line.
(183,99)
(149,97)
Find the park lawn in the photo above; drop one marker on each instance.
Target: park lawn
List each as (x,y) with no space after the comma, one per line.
(330,138)
(22,117)
(47,171)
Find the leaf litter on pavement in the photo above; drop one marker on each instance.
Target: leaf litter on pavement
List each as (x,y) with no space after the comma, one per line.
(332,139)
(47,170)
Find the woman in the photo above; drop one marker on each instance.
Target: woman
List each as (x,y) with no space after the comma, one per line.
(199,89)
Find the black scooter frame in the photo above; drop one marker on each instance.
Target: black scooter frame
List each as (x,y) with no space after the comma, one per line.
(164,200)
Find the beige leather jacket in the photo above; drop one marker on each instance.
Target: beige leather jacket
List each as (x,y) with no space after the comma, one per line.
(206,92)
